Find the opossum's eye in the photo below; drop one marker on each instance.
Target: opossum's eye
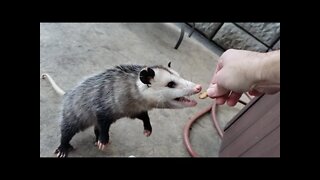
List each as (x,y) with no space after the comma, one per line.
(171,84)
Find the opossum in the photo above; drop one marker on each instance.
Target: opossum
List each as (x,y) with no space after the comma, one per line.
(123,91)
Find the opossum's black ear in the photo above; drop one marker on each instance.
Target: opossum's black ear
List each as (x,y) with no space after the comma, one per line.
(146,75)
(169,64)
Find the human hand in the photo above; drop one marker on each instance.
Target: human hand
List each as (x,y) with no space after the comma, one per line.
(240,71)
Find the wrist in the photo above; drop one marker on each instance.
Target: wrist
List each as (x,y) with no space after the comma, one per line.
(268,71)
(269,67)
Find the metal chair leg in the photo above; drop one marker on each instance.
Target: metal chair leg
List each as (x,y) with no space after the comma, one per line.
(181,37)
(193,28)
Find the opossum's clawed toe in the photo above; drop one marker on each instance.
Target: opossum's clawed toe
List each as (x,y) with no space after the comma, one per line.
(101,145)
(62,155)
(97,143)
(62,152)
(147,133)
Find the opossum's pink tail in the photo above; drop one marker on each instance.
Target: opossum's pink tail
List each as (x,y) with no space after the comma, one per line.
(54,85)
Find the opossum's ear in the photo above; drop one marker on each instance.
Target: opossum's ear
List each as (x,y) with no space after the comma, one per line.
(146,75)
(169,64)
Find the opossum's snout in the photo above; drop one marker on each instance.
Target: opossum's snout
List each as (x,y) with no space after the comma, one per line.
(186,102)
(197,88)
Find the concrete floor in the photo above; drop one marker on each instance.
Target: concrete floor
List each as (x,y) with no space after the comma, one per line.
(69,52)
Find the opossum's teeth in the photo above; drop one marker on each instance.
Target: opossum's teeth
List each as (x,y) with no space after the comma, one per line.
(187,102)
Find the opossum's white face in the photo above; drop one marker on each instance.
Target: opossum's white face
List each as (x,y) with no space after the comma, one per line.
(164,88)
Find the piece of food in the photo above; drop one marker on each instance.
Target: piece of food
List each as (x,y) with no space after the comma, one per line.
(203,95)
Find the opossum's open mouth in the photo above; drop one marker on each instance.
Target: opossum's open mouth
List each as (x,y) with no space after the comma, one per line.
(185,101)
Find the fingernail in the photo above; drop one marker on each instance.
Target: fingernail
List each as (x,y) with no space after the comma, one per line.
(212,90)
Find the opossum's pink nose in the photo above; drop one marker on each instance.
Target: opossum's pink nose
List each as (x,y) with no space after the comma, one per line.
(197,88)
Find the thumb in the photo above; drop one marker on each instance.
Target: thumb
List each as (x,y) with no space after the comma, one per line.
(216,91)
(218,68)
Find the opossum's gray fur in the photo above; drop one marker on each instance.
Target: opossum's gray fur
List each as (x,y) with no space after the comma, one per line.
(114,92)
(123,91)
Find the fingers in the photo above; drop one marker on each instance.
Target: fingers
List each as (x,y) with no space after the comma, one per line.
(222,99)
(233,98)
(254,92)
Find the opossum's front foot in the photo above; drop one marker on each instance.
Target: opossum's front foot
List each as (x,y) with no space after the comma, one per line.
(147,128)
(147,133)
(62,151)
